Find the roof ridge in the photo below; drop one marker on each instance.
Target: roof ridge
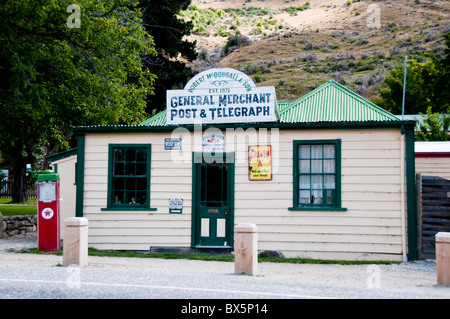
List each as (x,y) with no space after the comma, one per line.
(350,112)
(344,90)
(357,96)
(304,97)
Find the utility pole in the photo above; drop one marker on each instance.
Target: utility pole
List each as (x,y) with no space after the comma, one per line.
(404,86)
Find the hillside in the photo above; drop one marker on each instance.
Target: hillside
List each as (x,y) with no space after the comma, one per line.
(298,45)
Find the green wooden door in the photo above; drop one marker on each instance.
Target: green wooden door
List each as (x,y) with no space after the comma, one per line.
(213,200)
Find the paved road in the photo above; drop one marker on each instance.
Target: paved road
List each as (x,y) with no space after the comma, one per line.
(28,276)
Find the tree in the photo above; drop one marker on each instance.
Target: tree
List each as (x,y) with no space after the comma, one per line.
(427,85)
(434,128)
(174,51)
(64,66)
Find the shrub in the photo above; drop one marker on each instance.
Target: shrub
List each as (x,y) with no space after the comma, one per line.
(305,57)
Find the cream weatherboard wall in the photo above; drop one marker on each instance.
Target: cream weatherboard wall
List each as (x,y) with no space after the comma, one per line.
(136,230)
(433,166)
(65,168)
(372,188)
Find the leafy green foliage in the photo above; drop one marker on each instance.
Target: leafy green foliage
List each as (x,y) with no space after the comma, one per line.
(427,91)
(427,85)
(293,10)
(53,77)
(235,41)
(168,30)
(206,20)
(434,128)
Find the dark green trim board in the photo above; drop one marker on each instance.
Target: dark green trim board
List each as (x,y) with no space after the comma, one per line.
(318,209)
(282,126)
(58,156)
(79,176)
(411,202)
(193,199)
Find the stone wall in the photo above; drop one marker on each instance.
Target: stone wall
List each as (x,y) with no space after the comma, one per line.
(17,225)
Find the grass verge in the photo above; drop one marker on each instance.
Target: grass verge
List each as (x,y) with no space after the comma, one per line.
(7,208)
(205,257)
(8,201)
(18,210)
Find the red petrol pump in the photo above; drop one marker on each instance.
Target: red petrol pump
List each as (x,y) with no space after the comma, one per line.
(48,211)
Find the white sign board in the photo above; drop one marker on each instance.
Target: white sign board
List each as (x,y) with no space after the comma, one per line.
(47,192)
(175,203)
(213,142)
(221,96)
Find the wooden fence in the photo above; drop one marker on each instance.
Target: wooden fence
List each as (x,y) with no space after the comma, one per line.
(6,190)
(435,212)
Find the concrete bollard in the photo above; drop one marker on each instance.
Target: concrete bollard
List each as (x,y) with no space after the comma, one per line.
(246,249)
(75,245)
(443,258)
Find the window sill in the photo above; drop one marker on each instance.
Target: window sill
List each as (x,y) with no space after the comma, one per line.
(318,209)
(129,209)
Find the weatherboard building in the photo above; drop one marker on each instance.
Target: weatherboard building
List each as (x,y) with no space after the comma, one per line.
(328,176)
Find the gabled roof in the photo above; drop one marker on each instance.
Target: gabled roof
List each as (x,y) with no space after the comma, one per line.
(61,155)
(159,119)
(331,102)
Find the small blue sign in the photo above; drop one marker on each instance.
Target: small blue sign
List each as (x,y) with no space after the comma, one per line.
(171,144)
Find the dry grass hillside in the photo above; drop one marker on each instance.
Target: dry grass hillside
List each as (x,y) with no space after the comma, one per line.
(298,45)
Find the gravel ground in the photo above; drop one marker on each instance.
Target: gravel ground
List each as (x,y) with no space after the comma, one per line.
(19,242)
(36,276)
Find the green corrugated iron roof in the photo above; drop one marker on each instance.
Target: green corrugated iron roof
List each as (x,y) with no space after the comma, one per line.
(159,119)
(331,102)
(283,105)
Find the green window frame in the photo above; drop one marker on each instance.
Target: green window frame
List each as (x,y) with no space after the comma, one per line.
(129,168)
(317,175)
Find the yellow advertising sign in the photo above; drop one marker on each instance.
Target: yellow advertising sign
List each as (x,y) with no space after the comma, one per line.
(260,163)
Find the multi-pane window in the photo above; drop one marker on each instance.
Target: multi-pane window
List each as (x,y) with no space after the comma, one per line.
(317,174)
(129,184)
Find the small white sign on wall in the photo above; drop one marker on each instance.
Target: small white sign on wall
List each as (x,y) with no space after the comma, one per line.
(175,205)
(213,142)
